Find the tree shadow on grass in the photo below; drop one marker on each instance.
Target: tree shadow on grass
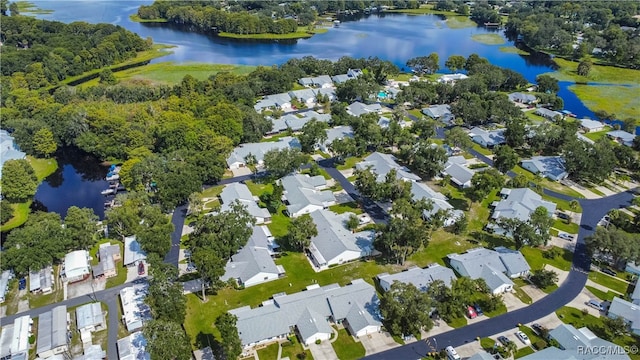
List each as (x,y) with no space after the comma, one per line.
(492,240)
(207,340)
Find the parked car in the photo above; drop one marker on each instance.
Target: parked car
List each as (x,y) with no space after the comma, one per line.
(539,329)
(504,340)
(609,272)
(523,337)
(22,284)
(471,312)
(451,353)
(565,236)
(141,268)
(563,216)
(478,310)
(595,304)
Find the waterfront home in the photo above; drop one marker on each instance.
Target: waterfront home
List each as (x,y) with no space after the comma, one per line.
(588,125)
(522,98)
(487,138)
(381,164)
(304,194)
(253,264)
(239,155)
(551,167)
(549,114)
(622,137)
(322,81)
(517,204)
(240,192)
(420,278)
(452,78)
(335,244)
(308,313)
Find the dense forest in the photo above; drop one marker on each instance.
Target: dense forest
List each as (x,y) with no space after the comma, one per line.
(38,53)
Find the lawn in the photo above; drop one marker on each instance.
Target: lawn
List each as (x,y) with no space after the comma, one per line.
(274,138)
(303,32)
(512,50)
(20,215)
(608,281)
(537,261)
(293,348)
(269,353)
(453,20)
(488,39)
(350,162)
(598,73)
(346,348)
(523,352)
(458,322)
(118,279)
(595,135)
(530,334)
(43,167)
(481,150)
(571,228)
(39,300)
(619,100)
(352,207)
(604,296)
(299,275)
(279,225)
(562,205)
(258,189)
(522,295)
(532,116)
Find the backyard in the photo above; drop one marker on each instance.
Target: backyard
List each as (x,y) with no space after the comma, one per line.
(346,347)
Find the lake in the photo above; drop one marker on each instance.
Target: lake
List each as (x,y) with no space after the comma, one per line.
(393,37)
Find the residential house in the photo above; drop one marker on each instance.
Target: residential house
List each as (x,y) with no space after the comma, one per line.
(495,267)
(622,137)
(240,192)
(358,108)
(238,156)
(9,149)
(253,264)
(518,204)
(354,305)
(14,338)
(133,347)
(321,81)
(522,98)
(295,122)
(41,281)
(440,112)
(455,168)
(305,194)
(133,253)
(5,277)
(135,311)
(330,93)
(549,114)
(108,255)
(392,92)
(90,318)
(635,295)
(76,266)
(350,75)
(420,278)
(335,244)
(588,125)
(451,78)
(487,139)
(381,164)
(52,332)
(92,352)
(578,344)
(438,201)
(335,133)
(306,96)
(633,268)
(277,101)
(626,310)
(551,167)
(384,122)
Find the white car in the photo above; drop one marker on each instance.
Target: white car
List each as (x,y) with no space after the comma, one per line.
(523,337)
(566,236)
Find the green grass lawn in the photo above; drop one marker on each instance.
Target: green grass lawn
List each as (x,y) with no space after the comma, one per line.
(279,225)
(487,343)
(488,39)
(453,20)
(416,112)
(258,189)
(537,261)
(571,228)
(350,162)
(20,215)
(619,100)
(609,281)
(352,207)
(595,135)
(346,348)
(549,289)
(604,296)
(201,316)
(43,167)
(481,150)
(118,279)
(293,348)
(38,300)
(527,350)
(512,50)
(598,73)
(211,192)
(269,353)
(274,138)
(536,118)
(522,295)
(458,322)
(562,205)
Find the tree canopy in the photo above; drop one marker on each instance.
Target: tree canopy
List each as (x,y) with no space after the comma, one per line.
(19,181)
(405,310)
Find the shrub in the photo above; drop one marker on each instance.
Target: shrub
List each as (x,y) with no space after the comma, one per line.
(318,342)
(540,344)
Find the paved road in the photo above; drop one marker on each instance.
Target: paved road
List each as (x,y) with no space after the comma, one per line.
(177,219)
(593,211)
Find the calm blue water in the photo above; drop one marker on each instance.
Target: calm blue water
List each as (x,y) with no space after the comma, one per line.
(393,37)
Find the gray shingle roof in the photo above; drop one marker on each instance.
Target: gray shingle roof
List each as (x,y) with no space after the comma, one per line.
(8,149)
(549,166)
(41,279)
(520,204)
(420,278)
(302,191)
(303,95)
(550,114)
(359,318)
(490,138)
(576,340)
(132,251)
(240,192)
(623,136)
(89,315)
(334,238)
(439,202)
(277,316)
(338,132)
(628,311)
(259,149)
(437,111)
(311,323)
(591,124)
(105,254)
(381,164)
(489,265)
(522,97)
(52,329)
(459,174)
(513,261)
(358,108)
(252,259)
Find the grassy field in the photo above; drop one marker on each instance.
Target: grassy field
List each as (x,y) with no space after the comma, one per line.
(43,167)
(608,281)
(351,207)
(302,33)
(350,162)
(619,100)
(595,135)
(293,348)
(20,215)
(604,296)
(299,274)
(346,348)
(571,228)
(512,50)
(29,8)
(279,225)
(171,73)
(488,39)
(136,18)
(269,353)
(537,261)
(598,73)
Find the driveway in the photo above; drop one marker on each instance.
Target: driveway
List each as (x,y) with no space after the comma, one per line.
(377,342)
(512,302)
(323,351)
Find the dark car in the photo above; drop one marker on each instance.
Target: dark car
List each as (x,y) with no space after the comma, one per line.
(609,272)
(503,340)
(141,268)
(478,310)
(22,284)
(563,216)
(539,329)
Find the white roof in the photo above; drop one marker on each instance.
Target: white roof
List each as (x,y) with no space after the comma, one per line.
(14,338)
(76,263)
(334,238)
(134,308)
(520,204)
(52,329)
(591,124)
(259,149)
(89,315)
(133,347)
(132,251)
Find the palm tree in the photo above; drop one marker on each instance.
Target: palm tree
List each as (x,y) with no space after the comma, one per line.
(573,204)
